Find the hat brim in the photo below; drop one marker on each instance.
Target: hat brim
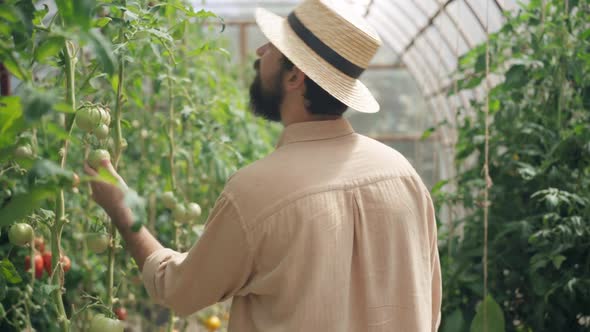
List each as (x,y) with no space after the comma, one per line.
(352,92)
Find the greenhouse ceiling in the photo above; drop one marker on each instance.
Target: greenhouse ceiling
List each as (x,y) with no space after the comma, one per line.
(426,36)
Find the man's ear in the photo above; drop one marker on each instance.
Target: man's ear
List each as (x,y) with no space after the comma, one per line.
(294,79)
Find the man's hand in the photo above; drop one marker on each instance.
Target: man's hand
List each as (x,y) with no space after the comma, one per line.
(109,196)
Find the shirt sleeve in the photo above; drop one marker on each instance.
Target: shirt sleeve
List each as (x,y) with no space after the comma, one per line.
(215,268)
(435,264)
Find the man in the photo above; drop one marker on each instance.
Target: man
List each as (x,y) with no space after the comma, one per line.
(333,231)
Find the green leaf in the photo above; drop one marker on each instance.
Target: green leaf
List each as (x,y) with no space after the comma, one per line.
(106,176)
(49,47)
(60,133)
(8,13)
(103,50)
(76,12)
(22,205)
(101,22)
(63,108)
(471,82)
(40,15)
(203,14)
(159,34)
(136,226)
(480,63)
(10,111)
(494,321)
(438,186)
(14,68)
(9,272)
(454,322)
(3,287)
(427,133)
(558,260)
(516,77)
(46,289)
(180,30)
(136,203)
(37,103)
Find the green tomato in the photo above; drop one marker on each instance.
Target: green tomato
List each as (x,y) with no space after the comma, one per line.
(193,211)
(168,200)
(97,242)
(102,131)
(20,234)
(101,323)
(105,116)
(96,156)
(179,212)
(24,151)
(88,118)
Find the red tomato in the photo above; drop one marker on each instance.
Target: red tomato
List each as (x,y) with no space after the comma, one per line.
(65,263)
(40,244)
(47,261)
(121,313)
(38,265)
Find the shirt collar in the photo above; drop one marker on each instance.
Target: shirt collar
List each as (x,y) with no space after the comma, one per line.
(315,130)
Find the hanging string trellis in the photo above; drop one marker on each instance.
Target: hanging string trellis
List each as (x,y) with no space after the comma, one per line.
(486,170)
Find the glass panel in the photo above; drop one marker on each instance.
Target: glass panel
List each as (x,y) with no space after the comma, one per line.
(424,47)
(415,13)
(429,6)
(444,47)
(512,4)
(487,10)
(447,27)
(389,32)
(413,69)
(385,55)
(403,109)
(460,13)
(398,17)
(427,78)
(391,18)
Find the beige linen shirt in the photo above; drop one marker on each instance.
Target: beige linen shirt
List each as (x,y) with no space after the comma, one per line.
(333,231)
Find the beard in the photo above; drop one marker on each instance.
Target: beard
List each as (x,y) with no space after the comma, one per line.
(266,103)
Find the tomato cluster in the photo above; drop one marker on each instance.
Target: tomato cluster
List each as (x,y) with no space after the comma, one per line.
(180,212)
(42,260)
(95,120)
(96,156)
(97,242)
(101,323)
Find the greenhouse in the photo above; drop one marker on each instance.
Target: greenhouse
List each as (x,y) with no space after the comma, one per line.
(295,165)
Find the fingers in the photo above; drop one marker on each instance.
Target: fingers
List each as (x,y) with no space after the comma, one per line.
(89,170)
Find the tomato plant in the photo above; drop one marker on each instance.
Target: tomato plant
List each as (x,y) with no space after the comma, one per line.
(539,163)
(145,84)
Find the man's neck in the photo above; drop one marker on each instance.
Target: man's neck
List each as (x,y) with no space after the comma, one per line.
(292,116)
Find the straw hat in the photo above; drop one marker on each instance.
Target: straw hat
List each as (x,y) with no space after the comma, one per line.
(331,45)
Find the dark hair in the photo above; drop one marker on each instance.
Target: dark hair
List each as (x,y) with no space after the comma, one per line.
(318,100)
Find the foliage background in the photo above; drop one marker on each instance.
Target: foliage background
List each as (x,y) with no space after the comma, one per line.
(539,153)
(184,122)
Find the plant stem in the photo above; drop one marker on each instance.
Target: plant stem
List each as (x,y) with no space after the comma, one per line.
(172,172)
(57,276)
(29,292)
(117,158)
